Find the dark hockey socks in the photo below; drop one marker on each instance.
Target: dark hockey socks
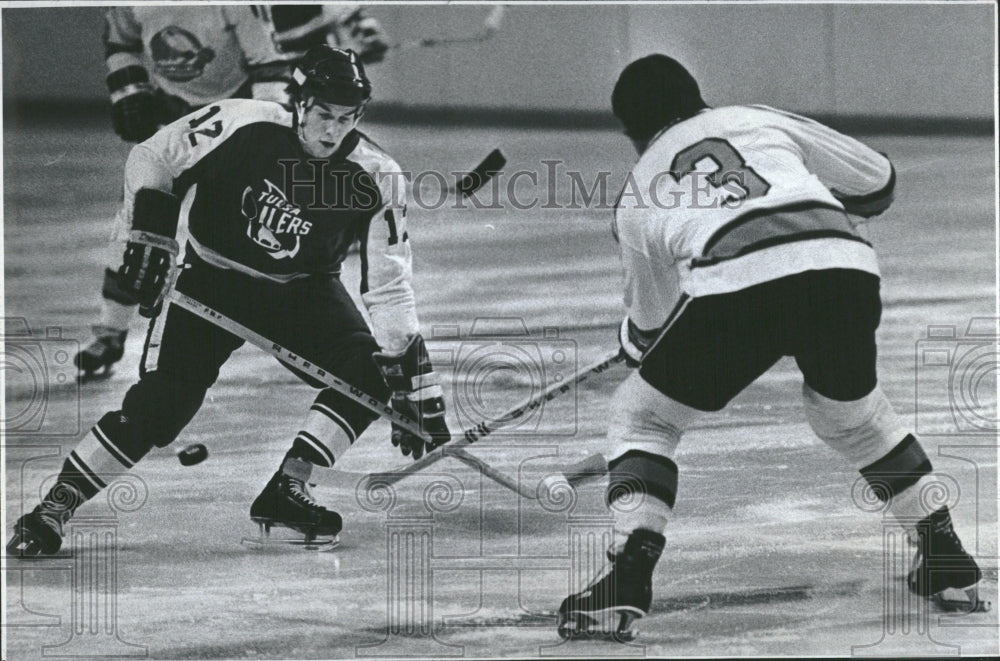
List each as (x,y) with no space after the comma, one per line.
(898,470)
(111,448)
(637,473)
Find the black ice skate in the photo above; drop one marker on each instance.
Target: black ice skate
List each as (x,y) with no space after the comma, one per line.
(285,502)
(942,569)
(609,605)
(40,531)
(96,360)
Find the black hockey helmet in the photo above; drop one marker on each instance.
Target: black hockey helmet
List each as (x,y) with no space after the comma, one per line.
(331,75)
(653,92)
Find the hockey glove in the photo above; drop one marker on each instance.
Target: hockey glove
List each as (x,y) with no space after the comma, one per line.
(366,33)
(634,342)
(134,111)
(417,394)
(151,250)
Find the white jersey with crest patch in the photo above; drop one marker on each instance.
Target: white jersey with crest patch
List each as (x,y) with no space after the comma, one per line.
(740,195)
(199,53)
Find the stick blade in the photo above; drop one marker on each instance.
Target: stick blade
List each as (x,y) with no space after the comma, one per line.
(486,170)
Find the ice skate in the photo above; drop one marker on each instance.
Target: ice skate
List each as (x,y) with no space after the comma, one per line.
(609,606)
(943,571)
(40,532)
(95,361)
(286,503)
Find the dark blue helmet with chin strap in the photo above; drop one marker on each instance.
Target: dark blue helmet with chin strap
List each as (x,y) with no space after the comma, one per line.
(331,75)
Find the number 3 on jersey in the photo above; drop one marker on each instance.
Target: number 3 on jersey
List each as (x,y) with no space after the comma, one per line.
(732,172)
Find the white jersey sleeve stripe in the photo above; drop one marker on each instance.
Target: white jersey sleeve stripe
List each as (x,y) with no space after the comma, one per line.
(763,228)
(387,259)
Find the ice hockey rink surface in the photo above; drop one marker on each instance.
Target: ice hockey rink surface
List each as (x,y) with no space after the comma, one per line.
(770,551)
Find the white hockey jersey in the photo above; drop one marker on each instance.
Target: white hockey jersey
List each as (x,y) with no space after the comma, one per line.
(198,53)
(740,195)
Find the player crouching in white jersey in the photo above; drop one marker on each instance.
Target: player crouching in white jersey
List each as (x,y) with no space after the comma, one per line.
(741,251)
(265,249)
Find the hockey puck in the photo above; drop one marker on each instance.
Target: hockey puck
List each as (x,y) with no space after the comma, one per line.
(192,454)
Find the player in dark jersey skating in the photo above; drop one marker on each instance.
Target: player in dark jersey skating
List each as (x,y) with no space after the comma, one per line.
(278,198)
(165,62)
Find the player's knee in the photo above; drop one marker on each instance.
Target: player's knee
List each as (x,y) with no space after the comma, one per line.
(638,475)
(863,430)
(898,469)
(644,419)
(159,407)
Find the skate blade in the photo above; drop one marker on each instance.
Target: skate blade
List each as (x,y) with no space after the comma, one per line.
(614,627)
(23,549)
(93,376)
(318,544)
(306,542)
(961,601)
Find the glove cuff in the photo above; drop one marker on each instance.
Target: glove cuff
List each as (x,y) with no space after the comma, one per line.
(127,81)
(155,240)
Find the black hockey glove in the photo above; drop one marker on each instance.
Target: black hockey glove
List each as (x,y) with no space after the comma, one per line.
(151,249)
(417,394)
(634,342)
(134,110)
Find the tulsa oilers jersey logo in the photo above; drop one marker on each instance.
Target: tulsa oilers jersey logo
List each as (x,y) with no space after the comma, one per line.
(274,223)
(178,55)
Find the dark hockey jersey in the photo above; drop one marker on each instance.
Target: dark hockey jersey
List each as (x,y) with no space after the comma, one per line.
(258,204)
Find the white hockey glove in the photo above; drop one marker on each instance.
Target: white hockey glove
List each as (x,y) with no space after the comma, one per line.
(151,250)
(416,393)
(634,342)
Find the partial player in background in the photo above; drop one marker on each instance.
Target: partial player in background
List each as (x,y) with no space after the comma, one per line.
(296,28)
(266,251)
(166,61)
(740,245)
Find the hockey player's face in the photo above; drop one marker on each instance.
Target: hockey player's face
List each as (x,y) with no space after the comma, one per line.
(322,126)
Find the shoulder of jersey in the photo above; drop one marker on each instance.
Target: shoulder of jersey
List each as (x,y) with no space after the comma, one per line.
(251,111)
(371,157)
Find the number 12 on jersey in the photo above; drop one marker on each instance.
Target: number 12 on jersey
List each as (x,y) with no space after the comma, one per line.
(214,130)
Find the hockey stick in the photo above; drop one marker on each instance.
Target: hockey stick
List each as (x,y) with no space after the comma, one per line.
(491,24)
(586,470)
(292,360)
(477,177)
(487,427)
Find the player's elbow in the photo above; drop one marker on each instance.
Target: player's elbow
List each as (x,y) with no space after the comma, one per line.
(144,169)
(874,203)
